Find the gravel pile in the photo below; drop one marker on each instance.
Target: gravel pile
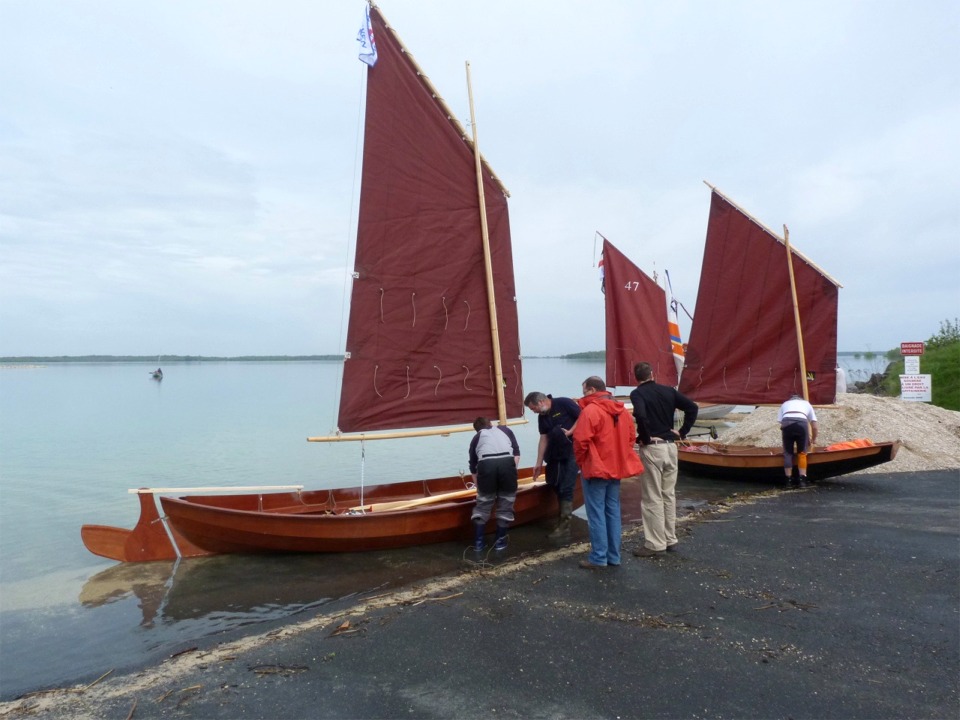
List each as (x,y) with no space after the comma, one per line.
(930,434)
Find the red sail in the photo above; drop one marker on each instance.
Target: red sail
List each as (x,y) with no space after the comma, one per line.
(637,327)
(419,348)
(743,343)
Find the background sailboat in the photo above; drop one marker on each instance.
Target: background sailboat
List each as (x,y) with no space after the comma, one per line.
(743,341)
(637,326)
(428,328)
(642,325)
(746,345)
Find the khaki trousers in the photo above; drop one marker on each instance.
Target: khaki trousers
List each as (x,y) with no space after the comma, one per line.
(658,495)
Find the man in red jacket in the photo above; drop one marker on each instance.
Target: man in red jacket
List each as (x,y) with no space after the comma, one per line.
(603,440)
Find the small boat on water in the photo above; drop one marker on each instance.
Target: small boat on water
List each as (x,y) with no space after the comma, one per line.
(432,341)
(748,462)
(157,374)
(341,520)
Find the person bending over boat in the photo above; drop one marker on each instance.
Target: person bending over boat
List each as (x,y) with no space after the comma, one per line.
(556,418)
(603,441)
(494,457)
(798,427)
(654,406)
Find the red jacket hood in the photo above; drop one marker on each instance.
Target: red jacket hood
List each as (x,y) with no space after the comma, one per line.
(604,438)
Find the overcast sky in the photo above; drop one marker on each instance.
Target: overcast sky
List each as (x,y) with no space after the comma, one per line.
(180,176)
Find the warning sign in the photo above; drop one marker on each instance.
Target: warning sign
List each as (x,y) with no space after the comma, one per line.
(911,348)
(915,388)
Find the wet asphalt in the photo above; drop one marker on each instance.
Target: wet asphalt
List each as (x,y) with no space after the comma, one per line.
(837,601)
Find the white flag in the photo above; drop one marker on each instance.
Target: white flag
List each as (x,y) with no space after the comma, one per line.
(368,46)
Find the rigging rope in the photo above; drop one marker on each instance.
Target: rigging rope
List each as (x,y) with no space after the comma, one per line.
(347,273)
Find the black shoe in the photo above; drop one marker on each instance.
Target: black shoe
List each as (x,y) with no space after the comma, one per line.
(803,483)
(673,548)
(587,565)
(645,552)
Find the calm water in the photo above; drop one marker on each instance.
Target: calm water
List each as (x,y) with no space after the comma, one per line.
(75,437)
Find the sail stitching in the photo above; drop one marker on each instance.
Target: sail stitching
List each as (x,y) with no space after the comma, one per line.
(465,376)
(413,302)
(439,380)
(375,369)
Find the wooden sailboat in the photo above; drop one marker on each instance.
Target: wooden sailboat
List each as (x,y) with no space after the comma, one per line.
(640,325)
(432,341)
(637,326)
(746,346)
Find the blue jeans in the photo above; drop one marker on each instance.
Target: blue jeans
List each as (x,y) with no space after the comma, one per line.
(602,501)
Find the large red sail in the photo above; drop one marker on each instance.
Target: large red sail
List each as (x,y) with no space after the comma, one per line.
(419,348)
(743,342)
(637,327)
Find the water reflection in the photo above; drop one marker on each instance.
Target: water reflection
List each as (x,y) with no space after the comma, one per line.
(228,591)
(130,615)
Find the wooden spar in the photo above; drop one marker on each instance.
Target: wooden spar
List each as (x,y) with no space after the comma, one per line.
(426,432)
(442,497)
(440,101)
(487,264)
(763,227)
(796,315)
(243,488)
(406,504)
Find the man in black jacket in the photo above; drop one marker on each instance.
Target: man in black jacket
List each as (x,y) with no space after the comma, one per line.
(653,408)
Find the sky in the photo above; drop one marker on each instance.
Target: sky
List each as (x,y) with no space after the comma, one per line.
(181,177)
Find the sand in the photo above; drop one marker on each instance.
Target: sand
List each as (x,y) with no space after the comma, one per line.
(930,434)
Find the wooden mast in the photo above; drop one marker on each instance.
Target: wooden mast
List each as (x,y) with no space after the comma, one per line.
(796,315)
(487,264)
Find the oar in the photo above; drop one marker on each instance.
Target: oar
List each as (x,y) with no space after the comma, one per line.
(442,497)
(404,504)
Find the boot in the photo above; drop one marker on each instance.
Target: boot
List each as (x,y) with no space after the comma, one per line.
(563,525)
(501,542)
(478,529)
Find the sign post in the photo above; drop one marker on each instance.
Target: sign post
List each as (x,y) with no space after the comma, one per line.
(914,387)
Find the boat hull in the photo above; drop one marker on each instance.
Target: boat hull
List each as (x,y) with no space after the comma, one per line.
(341,520)
(738,462)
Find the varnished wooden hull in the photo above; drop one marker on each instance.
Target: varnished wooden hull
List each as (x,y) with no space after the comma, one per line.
(737,462)
(312,521)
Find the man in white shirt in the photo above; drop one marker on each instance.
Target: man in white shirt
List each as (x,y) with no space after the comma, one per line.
(798,427)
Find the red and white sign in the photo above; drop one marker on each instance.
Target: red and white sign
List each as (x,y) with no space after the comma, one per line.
(915,388)
(911,348)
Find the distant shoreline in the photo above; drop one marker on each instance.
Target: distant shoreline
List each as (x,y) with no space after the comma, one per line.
(19,361)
